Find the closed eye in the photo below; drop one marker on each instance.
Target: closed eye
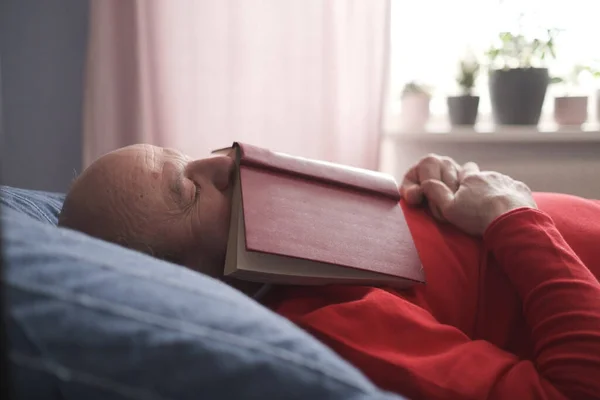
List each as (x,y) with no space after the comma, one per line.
(190,190)
(181,189)
(196,192)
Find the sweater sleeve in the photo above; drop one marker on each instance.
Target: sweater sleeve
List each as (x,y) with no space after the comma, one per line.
(561,301)
(402,348)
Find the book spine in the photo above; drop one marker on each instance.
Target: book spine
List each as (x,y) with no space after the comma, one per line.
(329,173)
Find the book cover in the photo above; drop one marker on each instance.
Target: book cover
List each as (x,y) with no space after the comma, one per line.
(319,222)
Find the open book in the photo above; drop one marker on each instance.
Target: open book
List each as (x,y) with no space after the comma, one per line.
(305,222)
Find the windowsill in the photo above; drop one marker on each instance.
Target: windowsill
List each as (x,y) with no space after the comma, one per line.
(486,133)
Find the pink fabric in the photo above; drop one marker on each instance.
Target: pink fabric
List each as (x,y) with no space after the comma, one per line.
(303,77)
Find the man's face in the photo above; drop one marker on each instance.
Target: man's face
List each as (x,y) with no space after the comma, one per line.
(161,199)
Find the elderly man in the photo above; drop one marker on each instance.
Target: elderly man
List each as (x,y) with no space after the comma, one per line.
(512,304)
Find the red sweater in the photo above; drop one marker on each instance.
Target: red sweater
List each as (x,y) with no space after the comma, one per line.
(515,315)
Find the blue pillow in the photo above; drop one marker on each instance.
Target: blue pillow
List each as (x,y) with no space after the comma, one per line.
(41,206)
(90,320)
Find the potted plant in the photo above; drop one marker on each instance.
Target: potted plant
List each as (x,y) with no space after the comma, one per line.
(595,71)
(517,81)
(462,109)
(415,101)
(570,110)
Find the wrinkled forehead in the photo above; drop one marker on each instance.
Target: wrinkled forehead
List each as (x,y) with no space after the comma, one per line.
(154,174)
(154,157)
(150,160)
(135,177)
(129,171)
(143,157)
(146,158)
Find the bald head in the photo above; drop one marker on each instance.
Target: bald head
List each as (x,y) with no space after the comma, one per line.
(99,200)
(157,201)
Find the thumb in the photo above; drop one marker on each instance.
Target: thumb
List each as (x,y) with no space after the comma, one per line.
(437,193)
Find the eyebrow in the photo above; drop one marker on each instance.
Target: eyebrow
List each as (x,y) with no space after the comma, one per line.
(176,184)
(175,177)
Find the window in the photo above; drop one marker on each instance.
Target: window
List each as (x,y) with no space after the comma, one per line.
(428,38)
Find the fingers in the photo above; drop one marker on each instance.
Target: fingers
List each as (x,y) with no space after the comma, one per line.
(411,189)
(413,194)
(430,169)
(432,166)
(439,197)
(450,171)
(441,168)
(469,168)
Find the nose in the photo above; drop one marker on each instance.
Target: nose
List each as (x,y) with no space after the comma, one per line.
(216,171)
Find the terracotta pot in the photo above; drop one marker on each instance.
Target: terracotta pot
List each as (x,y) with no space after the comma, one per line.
(517,95)
(462,110)
(571,110)
(415,111)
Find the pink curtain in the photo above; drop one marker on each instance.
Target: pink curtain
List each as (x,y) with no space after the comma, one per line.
(300,76)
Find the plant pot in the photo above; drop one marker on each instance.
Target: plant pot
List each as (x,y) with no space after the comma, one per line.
(517,95)
(415,111)
(570,110)
(462,110)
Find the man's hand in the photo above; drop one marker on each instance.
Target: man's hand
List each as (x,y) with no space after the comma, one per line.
(435,167)
(480,198)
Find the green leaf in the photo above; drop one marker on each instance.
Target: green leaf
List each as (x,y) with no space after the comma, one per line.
(493,53)
(552,51)
(506,37)
(414,87)
(556,79)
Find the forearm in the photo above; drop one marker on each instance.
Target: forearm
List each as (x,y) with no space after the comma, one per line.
(561,299)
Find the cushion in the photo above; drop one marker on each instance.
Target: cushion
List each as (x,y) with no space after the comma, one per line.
(41,206)
(90,320)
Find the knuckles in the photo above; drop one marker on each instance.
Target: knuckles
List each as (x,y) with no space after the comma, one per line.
(475,177)
(433,158)
(448,162)
(523,186)
(430,158)
(492,177)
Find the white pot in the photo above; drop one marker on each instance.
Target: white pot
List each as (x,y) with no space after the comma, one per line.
(571,110)
(415,111)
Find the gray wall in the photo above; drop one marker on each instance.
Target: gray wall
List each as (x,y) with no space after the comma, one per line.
(42,55)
